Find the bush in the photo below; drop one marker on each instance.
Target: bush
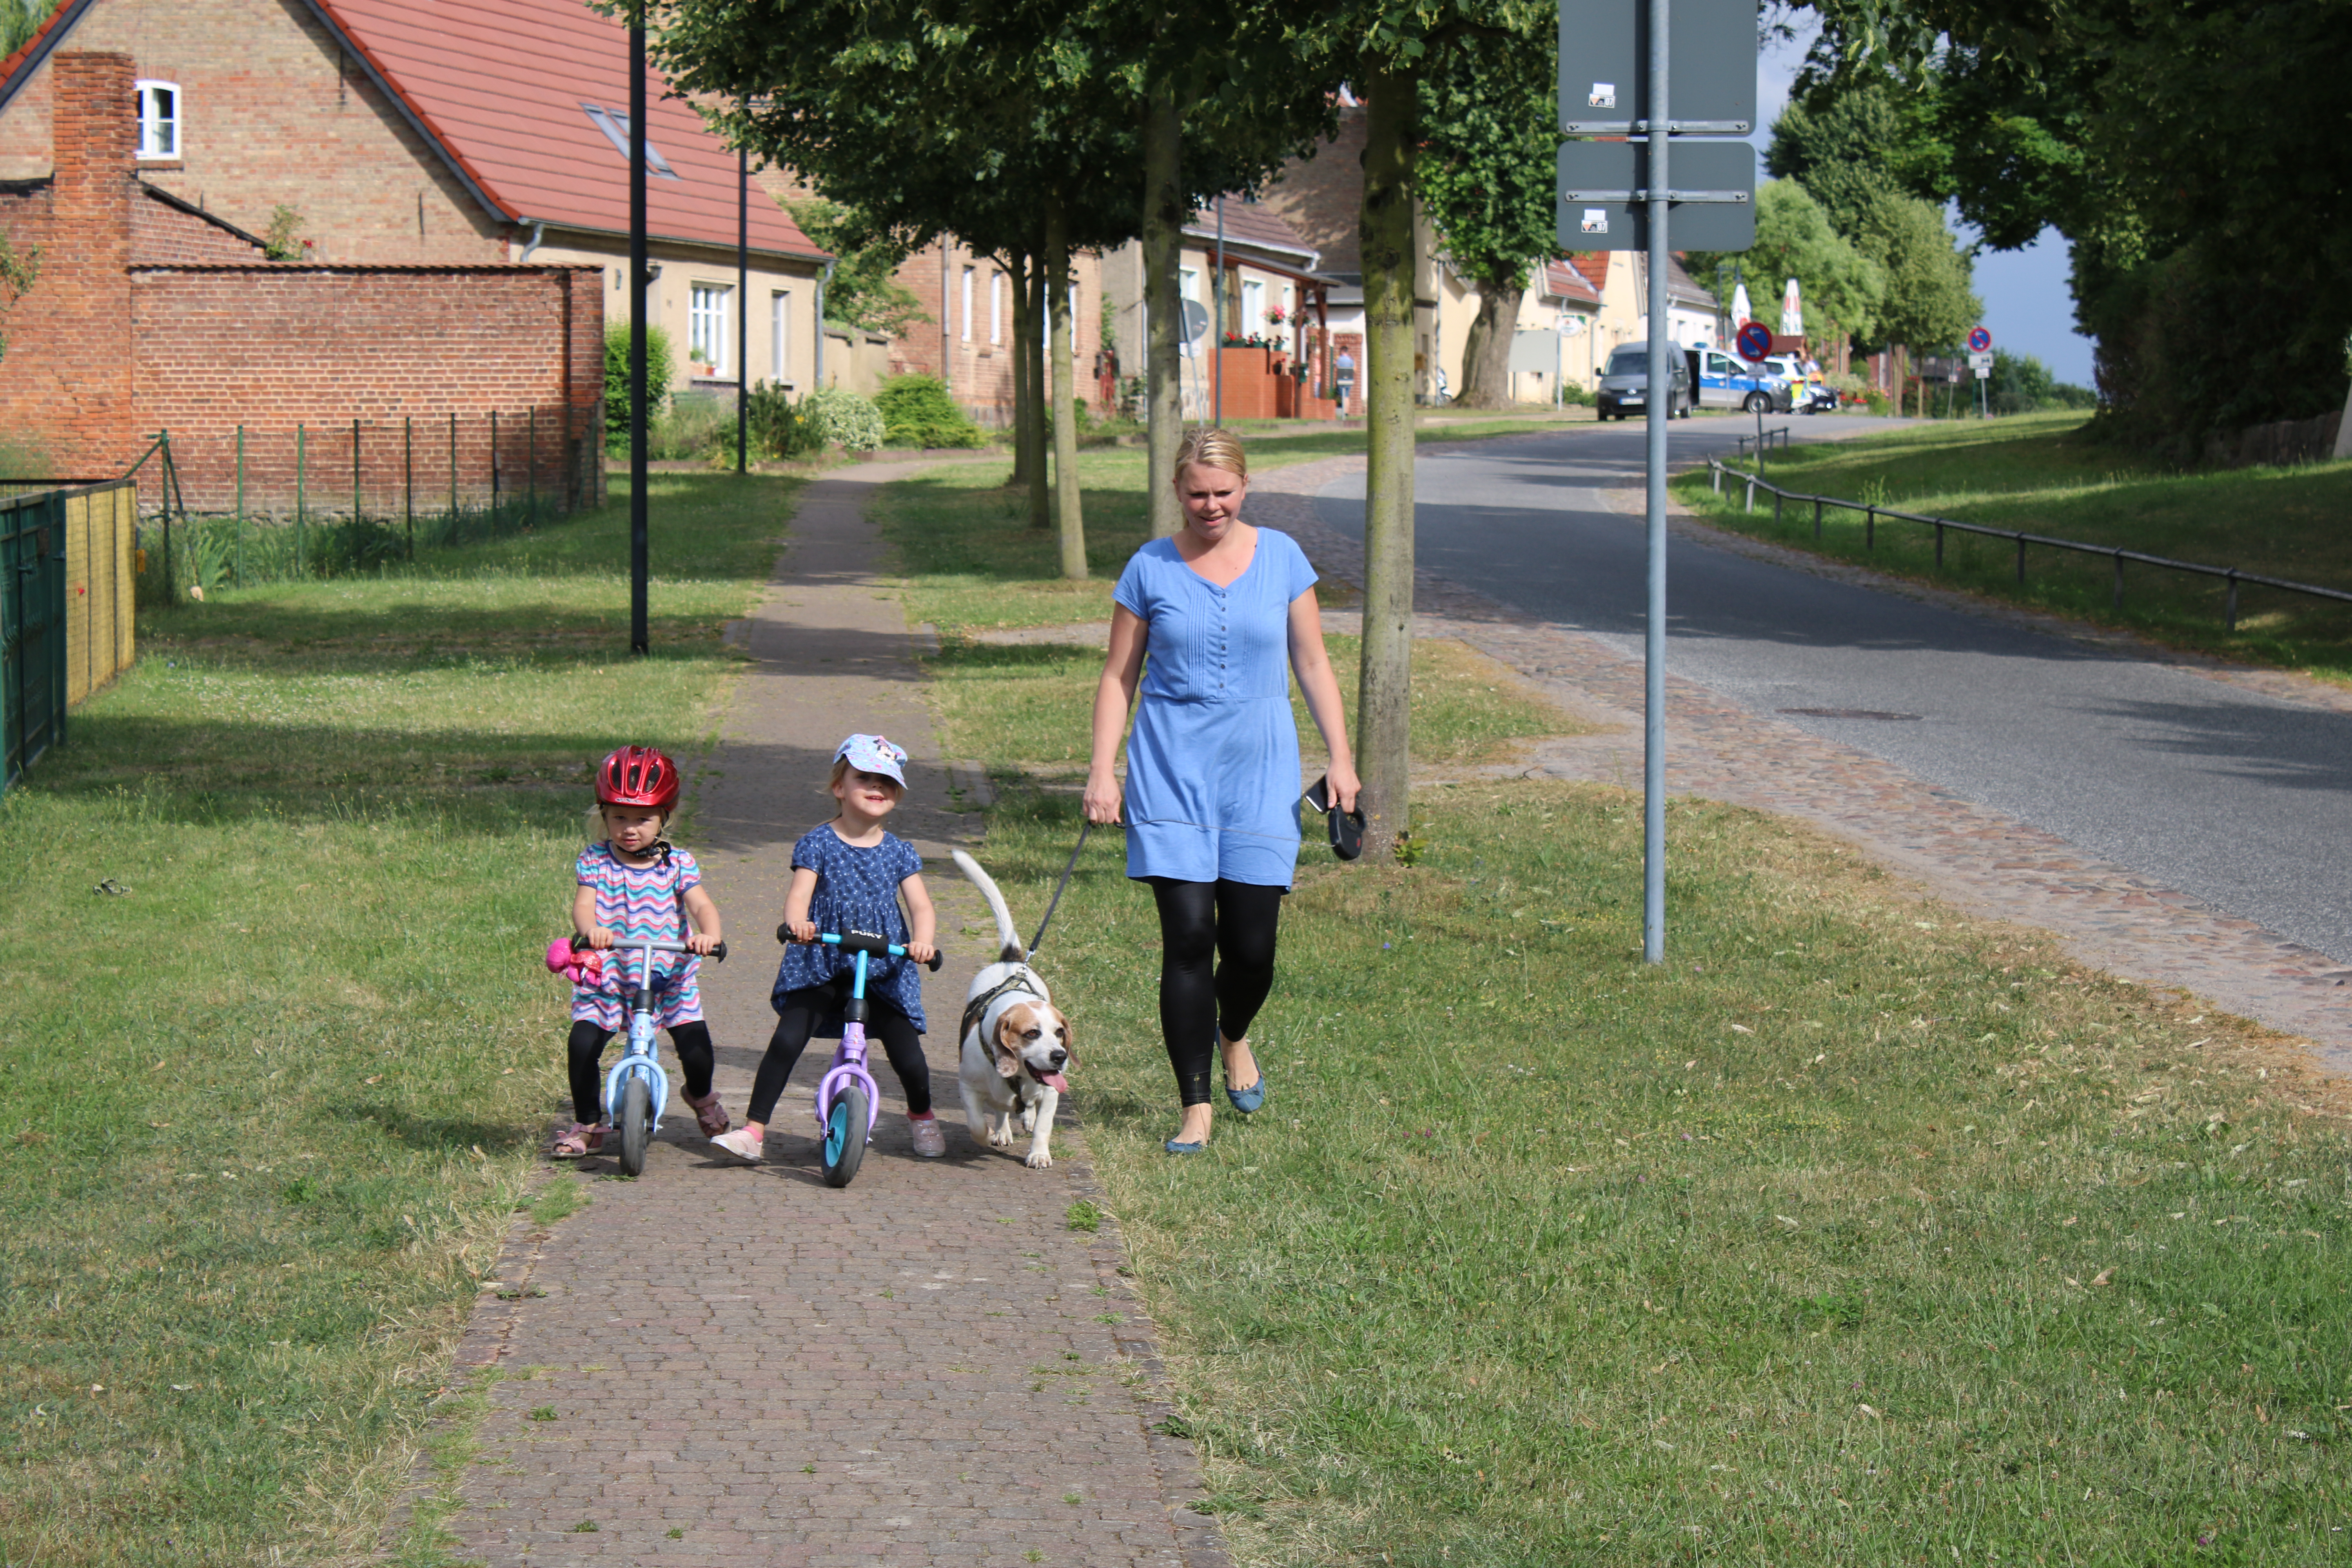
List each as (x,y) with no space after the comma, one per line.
(616,380)
(840,418)
(920,411)
(780,427)
(692,427)
(1575,395)
(1876,401)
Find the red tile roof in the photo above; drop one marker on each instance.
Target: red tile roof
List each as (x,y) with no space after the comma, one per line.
(37,48)
(1563,281)
(1593,267)
(1246,223)
(501,85)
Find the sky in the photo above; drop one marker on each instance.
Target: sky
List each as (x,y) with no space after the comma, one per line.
(2027,307)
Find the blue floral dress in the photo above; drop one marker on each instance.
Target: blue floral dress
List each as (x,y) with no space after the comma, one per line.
(1213,762)
(856,890)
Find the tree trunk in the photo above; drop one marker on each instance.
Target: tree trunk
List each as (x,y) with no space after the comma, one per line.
(1382,726)
(1487,347)
(1032,364)
(1068,516)
(1163,243)
(1017,266)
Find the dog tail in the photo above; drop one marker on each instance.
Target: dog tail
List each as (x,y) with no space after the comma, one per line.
(1010,949)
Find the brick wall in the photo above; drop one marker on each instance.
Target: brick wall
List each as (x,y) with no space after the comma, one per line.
(1322,197)
(394,349)
(162,232)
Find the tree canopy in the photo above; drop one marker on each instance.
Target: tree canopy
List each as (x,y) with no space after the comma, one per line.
(1841,287)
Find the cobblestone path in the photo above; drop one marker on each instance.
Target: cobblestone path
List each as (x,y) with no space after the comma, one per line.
(738,1365)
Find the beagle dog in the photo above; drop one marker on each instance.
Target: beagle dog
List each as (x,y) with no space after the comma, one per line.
(1017,1044)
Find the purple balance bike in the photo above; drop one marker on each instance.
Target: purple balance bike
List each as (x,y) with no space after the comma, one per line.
(847,1103)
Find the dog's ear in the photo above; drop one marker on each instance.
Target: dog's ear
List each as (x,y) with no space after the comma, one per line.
(1011,1025)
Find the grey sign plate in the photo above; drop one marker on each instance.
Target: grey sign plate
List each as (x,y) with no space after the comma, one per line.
(1598,211)
(1605,66)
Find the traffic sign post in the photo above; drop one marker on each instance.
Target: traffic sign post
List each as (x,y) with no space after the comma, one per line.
(1754,341)
(1980,361)
(1615,81)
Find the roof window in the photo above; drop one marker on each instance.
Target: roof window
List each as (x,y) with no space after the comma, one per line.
(616,128)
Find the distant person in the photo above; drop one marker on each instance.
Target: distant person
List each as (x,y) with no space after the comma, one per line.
(1343,371)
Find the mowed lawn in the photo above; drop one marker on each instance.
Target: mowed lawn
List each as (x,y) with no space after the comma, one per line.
(282,1048)
(2043,474)
(1860,1232)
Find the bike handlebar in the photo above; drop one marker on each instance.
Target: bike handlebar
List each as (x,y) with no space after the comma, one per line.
(859,941)
(580,944)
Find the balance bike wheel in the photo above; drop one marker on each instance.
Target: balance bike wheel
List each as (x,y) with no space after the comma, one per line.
(844,1137)
(635,1125)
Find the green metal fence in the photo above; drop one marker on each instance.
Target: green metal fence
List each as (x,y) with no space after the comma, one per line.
(33,665)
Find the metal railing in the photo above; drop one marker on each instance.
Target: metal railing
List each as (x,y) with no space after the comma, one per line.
(1765,440)
(1872,511)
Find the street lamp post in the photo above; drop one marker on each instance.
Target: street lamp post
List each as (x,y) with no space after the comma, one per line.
(640,640)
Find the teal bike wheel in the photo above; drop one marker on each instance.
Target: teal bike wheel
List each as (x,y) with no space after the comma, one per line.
(844,1137)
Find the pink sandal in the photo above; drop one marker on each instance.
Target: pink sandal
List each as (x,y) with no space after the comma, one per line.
(708,1114)
(578,1138)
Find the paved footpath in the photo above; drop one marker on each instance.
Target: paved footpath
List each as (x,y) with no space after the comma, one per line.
(747,1367)
(1976,856)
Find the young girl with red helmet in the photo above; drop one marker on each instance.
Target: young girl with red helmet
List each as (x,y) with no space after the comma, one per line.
(635,884)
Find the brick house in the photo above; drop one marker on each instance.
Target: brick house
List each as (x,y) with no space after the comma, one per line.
(967,341)
(152,313)
(415,133)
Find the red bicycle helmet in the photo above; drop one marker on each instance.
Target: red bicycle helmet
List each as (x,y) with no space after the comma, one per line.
(637,775)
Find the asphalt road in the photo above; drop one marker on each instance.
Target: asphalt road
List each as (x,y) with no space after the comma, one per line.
(2240,799)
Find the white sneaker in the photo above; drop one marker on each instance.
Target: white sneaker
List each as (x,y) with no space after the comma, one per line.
(930,1141)
(742,1143)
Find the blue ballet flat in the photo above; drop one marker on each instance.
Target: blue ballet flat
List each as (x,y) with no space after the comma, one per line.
(1248,1099)
(1173,1147)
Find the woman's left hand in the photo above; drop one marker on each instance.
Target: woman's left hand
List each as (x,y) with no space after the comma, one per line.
(1344,785)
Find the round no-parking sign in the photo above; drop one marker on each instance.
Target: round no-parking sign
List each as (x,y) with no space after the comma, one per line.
(1979,340)
(1755,341)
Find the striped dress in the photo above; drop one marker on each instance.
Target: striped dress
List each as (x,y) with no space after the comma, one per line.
(640,901)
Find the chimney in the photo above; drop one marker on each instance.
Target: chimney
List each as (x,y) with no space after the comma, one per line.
(94,137)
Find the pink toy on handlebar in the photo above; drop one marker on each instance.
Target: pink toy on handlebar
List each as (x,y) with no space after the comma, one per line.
(583,966)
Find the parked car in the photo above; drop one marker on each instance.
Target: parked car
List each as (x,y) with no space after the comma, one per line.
(1809,397)
(1626,385)
(1727,382)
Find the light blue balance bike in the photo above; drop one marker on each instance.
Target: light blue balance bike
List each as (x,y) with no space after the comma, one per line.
(847,1101)
(636,1088)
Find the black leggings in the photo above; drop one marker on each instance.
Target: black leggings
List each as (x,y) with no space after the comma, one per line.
(1199,923)
(692,1042)
(797,1019)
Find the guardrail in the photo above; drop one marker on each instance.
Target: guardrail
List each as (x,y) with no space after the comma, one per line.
(1763,442)
(1872,513)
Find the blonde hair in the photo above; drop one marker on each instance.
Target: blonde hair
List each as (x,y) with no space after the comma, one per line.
(1214,448)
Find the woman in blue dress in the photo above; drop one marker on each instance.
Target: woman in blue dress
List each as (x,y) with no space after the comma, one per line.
(1225,611)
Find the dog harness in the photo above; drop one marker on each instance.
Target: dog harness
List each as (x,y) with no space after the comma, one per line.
(1021,979)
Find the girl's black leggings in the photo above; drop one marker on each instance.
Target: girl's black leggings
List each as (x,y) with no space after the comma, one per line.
(587,1046)
(797,1019)
(1201,924)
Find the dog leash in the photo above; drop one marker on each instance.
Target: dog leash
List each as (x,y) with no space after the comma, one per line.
(1059,887)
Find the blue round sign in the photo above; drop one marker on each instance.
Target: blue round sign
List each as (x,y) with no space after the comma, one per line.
(1755,341)
(1980,340)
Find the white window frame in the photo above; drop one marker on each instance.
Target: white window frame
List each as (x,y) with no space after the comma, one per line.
(710,318)
(779,336)
(616,127)
(154,125)
(996,305)
(1254,307)
(967,303)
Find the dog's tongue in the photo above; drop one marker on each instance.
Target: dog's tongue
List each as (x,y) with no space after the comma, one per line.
(1056,1082)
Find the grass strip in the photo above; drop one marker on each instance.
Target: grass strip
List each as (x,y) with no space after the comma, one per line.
(2043,474)
(1862,1232)
(274,1103)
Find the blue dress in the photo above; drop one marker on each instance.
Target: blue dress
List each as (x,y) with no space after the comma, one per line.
(1213,762)
(856,890)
